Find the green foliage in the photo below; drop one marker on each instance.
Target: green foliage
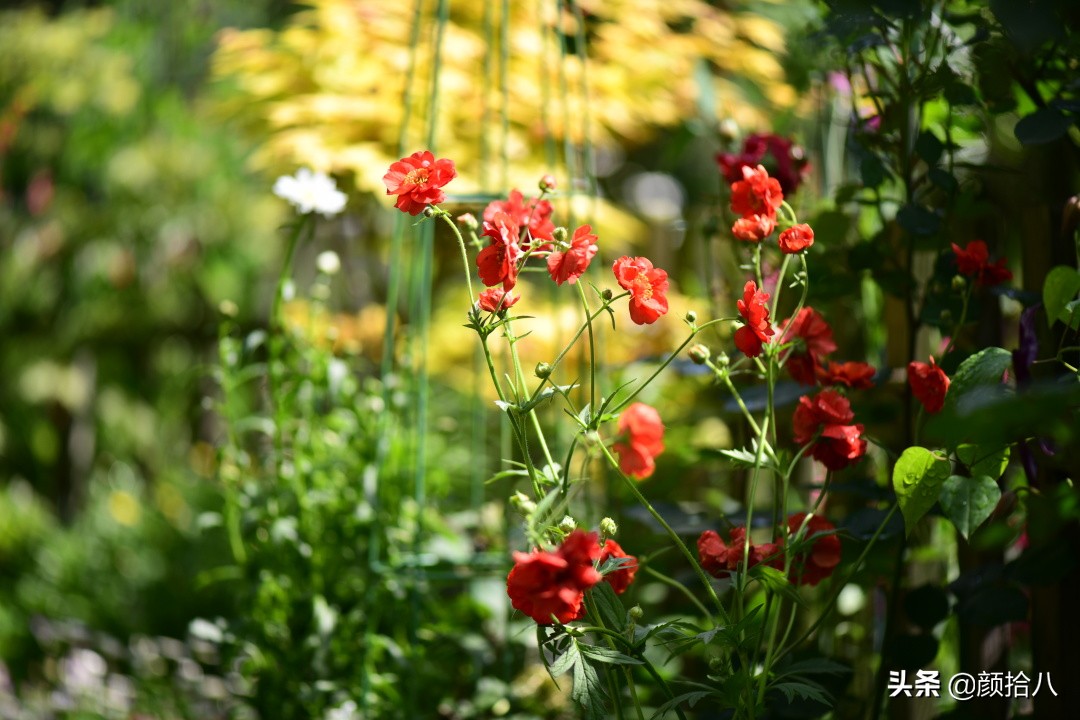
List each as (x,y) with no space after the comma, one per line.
(917,479)
(968,501)
(1061,286)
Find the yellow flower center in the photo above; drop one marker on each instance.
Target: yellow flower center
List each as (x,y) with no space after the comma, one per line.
(419,176)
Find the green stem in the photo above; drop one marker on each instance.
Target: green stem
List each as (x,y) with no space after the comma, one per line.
(678,586)
(461,245)
(592,348)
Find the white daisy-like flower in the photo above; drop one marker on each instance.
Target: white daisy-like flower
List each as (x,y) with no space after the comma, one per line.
(311,192)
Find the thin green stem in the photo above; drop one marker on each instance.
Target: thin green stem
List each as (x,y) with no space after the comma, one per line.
(592,348)
(678,586)
(461,245)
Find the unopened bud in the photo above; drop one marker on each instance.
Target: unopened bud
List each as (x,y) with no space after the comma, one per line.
(559,234)
(567,524)
(722,359)
(468,221)
(716,665)
(430,212)
(606,294)
(548,183)
(636,612)
(691,317)
(543,370)
(958,282)
(699,354)
(522,504)
(608,528)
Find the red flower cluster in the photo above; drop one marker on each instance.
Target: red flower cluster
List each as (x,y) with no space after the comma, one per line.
(546,584)
(808,567)
(534,213)
(568,266)
(839,443)
(754,308)
(643,434)
(756,198)
(496,300)
(929,384)
(619,579)
(796,239)
(647,286)
(720,559)
(418,181)
(813,566)
(974,261)
(852,374)
(498,262)
(816,341)
(790,166)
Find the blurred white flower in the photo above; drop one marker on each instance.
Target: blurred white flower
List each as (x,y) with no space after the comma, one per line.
(311,192)
(328,262)
(346,711)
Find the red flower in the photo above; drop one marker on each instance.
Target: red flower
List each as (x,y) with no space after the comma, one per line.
(929,383)
(618,579)
(570,265)
(855,375)
(418,181)
(840,443)
(496,300)
(643,431)
(543,584)
(647,286)
(756,193)
(810,568)
(533,213)
(754,309)
(754,228)
(790,164)
(816,342)
(796,238)
(498,261)
(720,560)
(974,260)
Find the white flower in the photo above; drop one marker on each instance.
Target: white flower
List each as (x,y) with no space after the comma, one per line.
(328,262)
(311,192)
(346,711)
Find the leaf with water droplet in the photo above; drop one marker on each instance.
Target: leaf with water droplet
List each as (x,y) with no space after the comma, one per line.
(968,502)
(917,480)
(984,460)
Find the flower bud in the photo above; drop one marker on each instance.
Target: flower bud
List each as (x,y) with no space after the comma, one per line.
(430,212)
(560,234)
(567,524)
(522,504)
(636,612)
(468,221)
(608,527)
(699,354)
(716,665)
(958,283)
(543,370)
(691,317)
(547,183)
(606,294)
(722,359)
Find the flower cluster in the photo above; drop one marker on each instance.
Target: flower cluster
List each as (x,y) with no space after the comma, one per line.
(418,181)
(550,586)
(974,261)
(825,419)
(788,161)
(311,191)
(817,556)
(642,435)
(757,197)
(757,330)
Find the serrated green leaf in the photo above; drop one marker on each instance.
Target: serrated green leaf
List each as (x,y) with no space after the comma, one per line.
(607,603)
(814,666)
(564,662)
(917,480)
(745,458)
(984,461)
(985,367)
(607,655)
(587,691)
(968,502)
(806,689)
(690,698)
(1061,285)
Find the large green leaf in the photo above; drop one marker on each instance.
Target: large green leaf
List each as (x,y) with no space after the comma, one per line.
(983,460)
(1061,285)
(1042,126)
(917,480)
(985,367)
(968,502)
